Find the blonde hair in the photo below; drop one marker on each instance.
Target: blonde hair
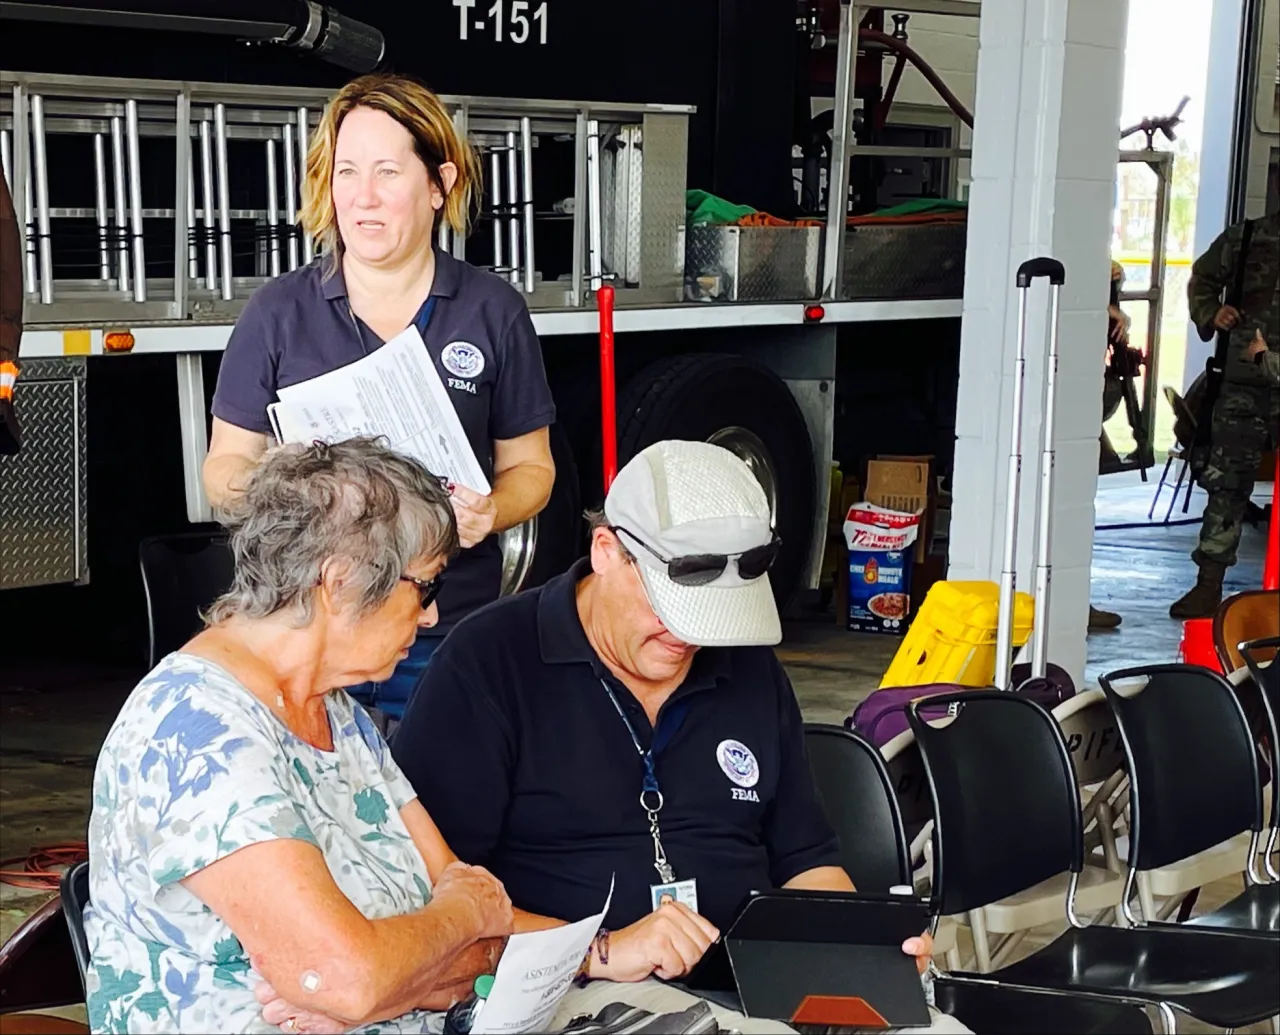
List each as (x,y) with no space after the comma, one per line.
(435,141)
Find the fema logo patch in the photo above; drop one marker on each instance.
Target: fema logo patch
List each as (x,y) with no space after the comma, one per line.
(738,763)
(462,359)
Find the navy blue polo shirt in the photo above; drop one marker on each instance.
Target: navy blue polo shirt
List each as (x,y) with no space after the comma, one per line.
(480,338)
(520,757)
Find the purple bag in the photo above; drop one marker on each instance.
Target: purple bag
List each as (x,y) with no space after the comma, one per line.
(883,714)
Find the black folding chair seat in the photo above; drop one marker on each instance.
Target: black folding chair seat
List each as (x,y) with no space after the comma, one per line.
(74,893)
(1179,810)
(857,794)
(1263,659)
(1225,980)
(1007,806)
(1256,911)
(182,575)
(993,1009)
(38,965)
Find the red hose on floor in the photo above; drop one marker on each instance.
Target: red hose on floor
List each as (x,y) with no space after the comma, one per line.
(42,868)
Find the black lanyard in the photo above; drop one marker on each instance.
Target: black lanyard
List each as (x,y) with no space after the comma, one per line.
(420,321)
(424,316)
(650,793)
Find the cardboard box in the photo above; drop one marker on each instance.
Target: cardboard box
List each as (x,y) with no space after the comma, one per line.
(905,484)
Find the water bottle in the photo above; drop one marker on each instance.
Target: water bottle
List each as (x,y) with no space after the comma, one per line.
(461,1017)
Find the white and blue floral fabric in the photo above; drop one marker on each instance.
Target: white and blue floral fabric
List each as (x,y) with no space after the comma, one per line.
(195,768)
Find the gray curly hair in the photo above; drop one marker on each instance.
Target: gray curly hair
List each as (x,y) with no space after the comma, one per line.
(355,502)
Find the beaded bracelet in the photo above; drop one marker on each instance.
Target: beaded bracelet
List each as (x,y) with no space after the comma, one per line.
(599,946)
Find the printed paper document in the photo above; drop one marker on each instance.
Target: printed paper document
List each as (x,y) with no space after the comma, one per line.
(394,391)
(534,973)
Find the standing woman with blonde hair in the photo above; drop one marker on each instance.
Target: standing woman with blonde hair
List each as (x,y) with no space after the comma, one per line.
(385,165)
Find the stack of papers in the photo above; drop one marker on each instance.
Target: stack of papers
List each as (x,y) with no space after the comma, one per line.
(394,392)
(533,975)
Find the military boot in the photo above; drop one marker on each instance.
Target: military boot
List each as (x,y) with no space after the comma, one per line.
(1205,596)
(1099,619)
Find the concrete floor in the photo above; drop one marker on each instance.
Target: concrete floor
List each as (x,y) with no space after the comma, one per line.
(54,716)
(1136,572)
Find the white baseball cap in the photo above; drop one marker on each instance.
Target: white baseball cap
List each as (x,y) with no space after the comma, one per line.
(689,512)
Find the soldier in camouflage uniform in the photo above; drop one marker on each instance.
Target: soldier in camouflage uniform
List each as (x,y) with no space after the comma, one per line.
(1247,414)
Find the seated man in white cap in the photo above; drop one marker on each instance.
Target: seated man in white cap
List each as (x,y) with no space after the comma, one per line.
(646,667)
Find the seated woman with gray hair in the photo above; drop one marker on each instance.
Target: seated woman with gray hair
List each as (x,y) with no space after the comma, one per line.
(257,859)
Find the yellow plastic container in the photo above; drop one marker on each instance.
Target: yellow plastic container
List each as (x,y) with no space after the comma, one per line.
(953,637)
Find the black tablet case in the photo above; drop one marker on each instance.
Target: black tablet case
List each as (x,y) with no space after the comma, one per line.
(823,958)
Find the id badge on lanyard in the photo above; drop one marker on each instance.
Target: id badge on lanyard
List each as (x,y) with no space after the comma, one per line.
(669,889)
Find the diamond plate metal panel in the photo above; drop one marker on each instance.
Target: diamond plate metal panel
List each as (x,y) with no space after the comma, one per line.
(609,202)
(631,157)
(43,516)
(662,192)
(621,175)
(893,262)
(752,264)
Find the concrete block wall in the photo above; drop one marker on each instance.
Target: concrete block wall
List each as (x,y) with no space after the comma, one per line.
(1048,92)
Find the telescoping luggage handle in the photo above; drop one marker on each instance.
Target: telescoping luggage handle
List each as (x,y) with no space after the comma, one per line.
(1031,270)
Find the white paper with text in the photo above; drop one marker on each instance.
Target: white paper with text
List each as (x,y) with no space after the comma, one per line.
(533,975)
(396,392)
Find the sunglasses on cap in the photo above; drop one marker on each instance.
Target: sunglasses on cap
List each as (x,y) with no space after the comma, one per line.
(699,569)
(428,589)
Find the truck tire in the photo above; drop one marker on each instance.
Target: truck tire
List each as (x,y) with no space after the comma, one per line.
(555,535)
(745,407)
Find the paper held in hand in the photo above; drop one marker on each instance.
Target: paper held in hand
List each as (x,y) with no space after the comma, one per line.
(395,392)
(534,973)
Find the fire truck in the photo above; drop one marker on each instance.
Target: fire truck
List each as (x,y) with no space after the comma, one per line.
(154,151)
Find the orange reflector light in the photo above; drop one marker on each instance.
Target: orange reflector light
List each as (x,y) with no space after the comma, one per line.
(813,313)
(117,341)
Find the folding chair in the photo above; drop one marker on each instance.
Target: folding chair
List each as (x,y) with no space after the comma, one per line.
(181,576)
(906,778)
(857,794)
(73,891)
(1000,927)
(1194,785)
(1251,615)
(1179,453)
(1008,817)
(38,968)
(1266,677)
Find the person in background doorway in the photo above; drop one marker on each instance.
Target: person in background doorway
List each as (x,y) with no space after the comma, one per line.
(1112,397)
(10,319)
(1247,413)
(385,167)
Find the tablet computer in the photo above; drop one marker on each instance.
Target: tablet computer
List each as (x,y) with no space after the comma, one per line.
(820,957)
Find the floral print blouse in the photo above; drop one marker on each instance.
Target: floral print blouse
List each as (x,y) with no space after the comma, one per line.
(194,768)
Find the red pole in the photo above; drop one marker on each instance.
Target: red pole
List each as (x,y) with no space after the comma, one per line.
(1271,566)
(608,388)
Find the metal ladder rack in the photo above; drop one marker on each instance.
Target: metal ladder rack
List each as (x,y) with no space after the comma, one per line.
(618,187)
(843,146)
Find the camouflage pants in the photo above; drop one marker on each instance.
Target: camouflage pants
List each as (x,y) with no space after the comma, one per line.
(1245,422)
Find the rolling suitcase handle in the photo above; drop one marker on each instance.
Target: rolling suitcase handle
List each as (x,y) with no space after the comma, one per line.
(1031,270)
